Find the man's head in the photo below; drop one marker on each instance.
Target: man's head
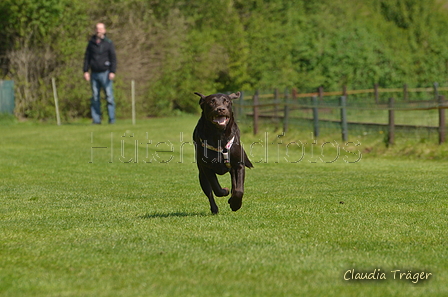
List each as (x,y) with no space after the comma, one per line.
(100,30)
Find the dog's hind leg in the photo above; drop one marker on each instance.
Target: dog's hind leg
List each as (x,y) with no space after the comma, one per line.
(207,189)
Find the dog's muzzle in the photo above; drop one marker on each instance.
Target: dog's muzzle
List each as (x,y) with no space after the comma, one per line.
(221,120)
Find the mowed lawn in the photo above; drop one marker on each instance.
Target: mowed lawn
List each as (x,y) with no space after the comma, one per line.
(118,211)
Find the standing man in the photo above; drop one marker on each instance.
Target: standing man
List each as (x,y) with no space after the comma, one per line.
(101,59)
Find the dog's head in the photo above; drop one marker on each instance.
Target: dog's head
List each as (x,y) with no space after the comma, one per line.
(217,108)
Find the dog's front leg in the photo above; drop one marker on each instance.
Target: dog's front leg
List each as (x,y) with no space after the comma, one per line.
(207,189)
(237,175)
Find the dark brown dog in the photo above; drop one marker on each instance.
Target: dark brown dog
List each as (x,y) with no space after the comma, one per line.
(218,149)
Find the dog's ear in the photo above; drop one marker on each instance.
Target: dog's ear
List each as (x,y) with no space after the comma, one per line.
(201,101)
(235,95)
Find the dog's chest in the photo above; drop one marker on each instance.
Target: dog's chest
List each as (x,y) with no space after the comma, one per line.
(216,152)
(213,160)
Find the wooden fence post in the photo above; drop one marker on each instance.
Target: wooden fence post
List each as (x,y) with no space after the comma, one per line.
(286,112)
(276,103)
(344,126)
(436,91)
(315,104)
(294,94)
(375,88)
(442,127)
(405,92)
(240,107)
(133,101)
(56,101)
(391,135)
(321,93)
(255,103)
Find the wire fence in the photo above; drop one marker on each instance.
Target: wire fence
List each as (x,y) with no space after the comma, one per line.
(417,113)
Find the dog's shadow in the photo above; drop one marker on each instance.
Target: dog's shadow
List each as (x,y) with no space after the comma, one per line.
(173,214)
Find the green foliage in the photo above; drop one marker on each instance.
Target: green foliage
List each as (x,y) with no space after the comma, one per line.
(174,48)
(198,55)
(43,43)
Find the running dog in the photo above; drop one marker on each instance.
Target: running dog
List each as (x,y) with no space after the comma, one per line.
(219,150)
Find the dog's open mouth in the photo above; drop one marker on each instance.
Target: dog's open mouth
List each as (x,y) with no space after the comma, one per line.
(221,120)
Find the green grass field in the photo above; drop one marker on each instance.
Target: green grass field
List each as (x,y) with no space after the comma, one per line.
(80,221)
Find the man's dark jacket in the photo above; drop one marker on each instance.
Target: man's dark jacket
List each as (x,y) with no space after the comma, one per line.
(100,56)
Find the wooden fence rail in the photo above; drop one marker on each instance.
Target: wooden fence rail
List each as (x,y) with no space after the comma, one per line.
(376,91)
(291,102)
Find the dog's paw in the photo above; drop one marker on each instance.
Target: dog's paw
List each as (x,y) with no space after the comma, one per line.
(227,191)
(224,192)
(214,210)
(235,203)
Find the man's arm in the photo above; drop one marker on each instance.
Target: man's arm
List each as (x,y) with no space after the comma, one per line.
(86,67)
(113,61)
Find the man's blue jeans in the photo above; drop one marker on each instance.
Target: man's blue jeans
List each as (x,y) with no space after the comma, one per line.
(100,80)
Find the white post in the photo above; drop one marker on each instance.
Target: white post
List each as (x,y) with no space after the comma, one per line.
(133,101)
(56,103)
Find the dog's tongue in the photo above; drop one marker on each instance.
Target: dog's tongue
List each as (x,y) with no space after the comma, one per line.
(221,121)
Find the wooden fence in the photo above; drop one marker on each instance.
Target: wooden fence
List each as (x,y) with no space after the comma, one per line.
(281,105)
